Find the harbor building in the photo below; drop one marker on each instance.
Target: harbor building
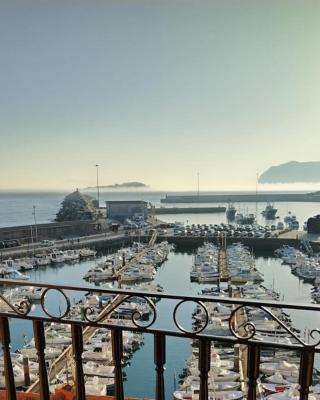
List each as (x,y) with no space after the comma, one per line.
(121,211)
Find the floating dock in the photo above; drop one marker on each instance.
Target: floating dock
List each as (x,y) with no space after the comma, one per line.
(223,266)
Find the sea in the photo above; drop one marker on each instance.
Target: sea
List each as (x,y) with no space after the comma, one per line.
(16,208)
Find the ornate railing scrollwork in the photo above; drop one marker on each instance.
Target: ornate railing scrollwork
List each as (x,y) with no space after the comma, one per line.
(144,315)
(195,331)
(43,303)
(312,332)
(251,329)
(22,308)
(136,315)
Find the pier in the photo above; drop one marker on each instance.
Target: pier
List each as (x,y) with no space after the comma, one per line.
(244,198)
(62,361)
(189,210)
(223,265)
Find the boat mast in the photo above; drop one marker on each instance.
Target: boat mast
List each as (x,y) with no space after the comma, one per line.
(35,223)
(98,191)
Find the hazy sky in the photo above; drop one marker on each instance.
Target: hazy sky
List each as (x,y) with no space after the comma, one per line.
(156,90)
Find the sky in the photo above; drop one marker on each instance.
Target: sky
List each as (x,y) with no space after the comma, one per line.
(156,91)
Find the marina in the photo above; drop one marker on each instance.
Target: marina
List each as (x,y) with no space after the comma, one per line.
(165,277)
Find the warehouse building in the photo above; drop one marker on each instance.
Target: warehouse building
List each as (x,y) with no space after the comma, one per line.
(121,211)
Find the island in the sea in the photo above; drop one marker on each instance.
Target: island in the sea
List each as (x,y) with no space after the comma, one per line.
(292,172)
(124,185)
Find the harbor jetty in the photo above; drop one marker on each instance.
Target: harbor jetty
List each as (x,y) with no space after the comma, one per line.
(188,210)
(243,198)
(59,364)
(223,265)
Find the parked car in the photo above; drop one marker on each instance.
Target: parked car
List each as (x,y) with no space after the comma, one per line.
(47,243)
(9,243)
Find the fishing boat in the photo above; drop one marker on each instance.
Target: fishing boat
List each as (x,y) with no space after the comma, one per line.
(231,212)
(269,212)
(245,219)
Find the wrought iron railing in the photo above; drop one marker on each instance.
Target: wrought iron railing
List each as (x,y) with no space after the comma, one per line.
(246,334)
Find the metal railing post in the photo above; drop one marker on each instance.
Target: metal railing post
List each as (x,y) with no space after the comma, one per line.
(77,350)
(306,371)
(8,370)
(40,345)
(160,360)
(117,354)
(204,367)
(253,370)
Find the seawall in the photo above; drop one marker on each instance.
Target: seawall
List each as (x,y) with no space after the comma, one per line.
(188,210)
(54,230)
(244,198)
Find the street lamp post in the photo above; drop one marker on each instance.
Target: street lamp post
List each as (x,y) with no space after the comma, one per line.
(98,192)
(35,223)
(198,175)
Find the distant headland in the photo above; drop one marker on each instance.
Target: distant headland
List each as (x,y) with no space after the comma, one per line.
(292,172)
(124,185)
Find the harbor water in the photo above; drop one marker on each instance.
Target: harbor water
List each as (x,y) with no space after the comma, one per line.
(16,208)
(174,276)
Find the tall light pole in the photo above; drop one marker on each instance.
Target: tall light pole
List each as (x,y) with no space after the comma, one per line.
(98,192)
(198,182)
(257,179)
(35,222)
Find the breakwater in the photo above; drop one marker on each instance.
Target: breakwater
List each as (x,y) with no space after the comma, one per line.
(243,198)
(188,210)
(54,230)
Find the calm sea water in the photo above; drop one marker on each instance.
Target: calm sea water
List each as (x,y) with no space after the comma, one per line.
(16,208)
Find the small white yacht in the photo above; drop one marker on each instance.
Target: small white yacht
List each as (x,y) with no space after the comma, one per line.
(57,257)
(10,273)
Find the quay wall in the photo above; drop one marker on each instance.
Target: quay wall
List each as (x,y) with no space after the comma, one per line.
(54,230)
(100,244)
(258,244)
(188,210)
(187,244)
(244,198)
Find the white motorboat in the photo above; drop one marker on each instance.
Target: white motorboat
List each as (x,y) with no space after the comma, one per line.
(83,253)
(19,379)
(71,255)
(42,260)
(23,264)
(99,273)
(13,274)
(213,395)
(57,257)
(285,368)
(98,369)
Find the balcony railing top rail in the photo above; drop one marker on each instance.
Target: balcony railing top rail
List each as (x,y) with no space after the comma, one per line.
(23,310)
